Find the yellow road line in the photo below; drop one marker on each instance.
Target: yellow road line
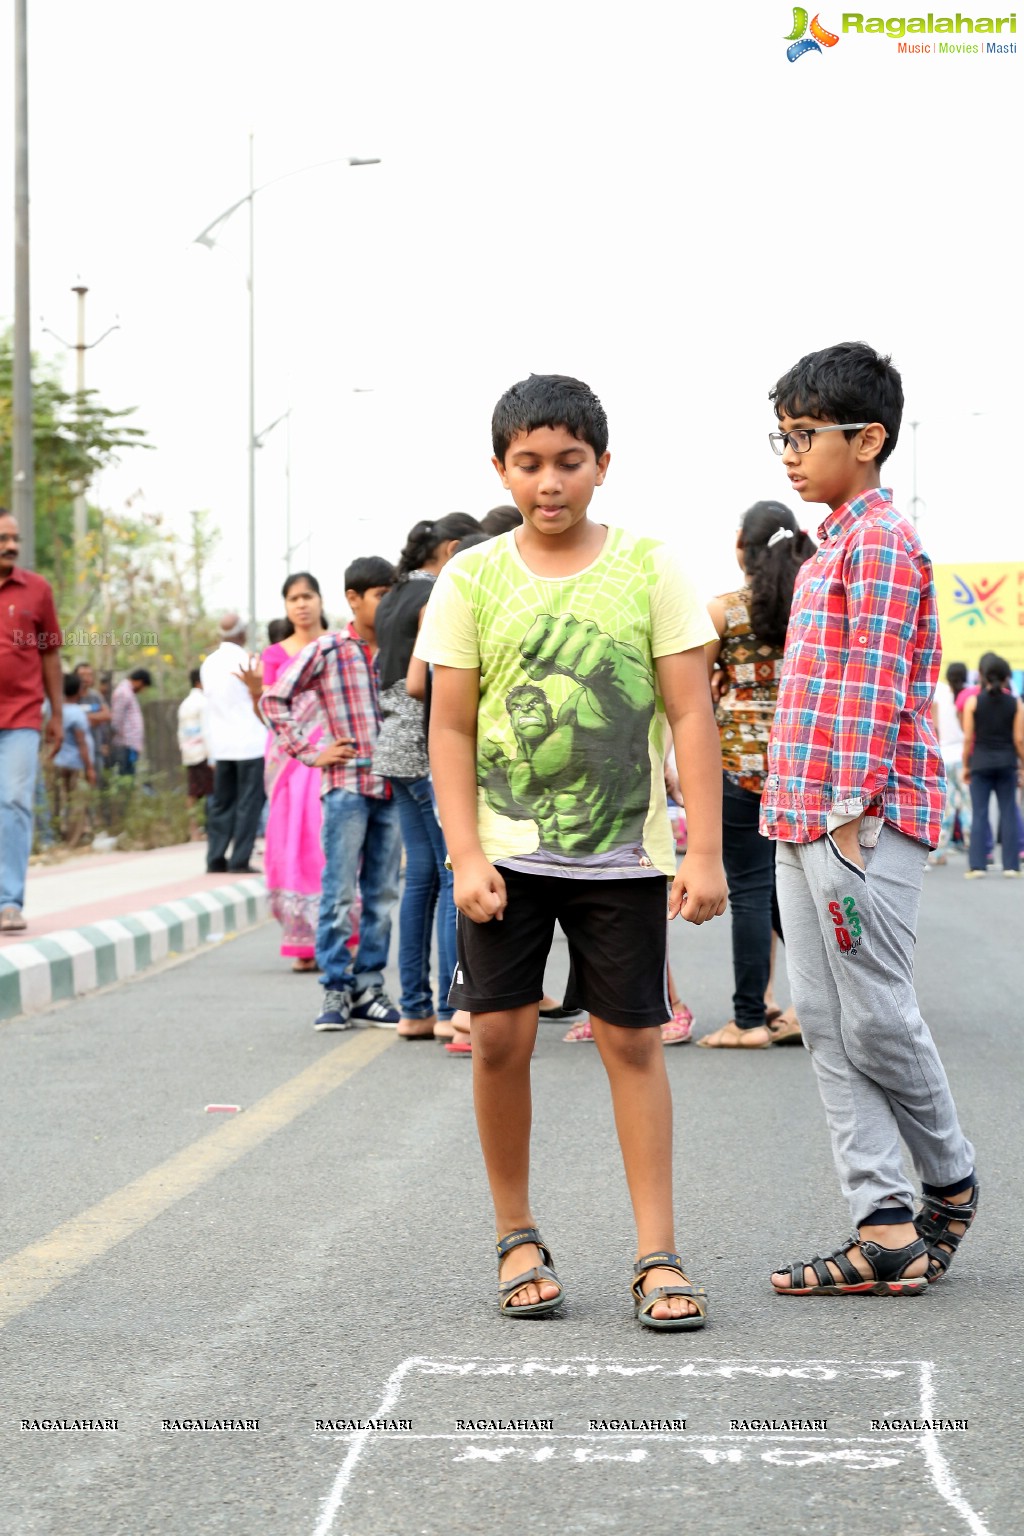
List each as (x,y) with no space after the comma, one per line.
(38,1269)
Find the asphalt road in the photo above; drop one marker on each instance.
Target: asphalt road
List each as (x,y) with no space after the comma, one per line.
(324,1256)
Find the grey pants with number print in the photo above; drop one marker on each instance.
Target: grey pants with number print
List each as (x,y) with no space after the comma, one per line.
(850,937)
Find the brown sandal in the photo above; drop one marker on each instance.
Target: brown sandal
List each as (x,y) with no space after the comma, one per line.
(730,1037)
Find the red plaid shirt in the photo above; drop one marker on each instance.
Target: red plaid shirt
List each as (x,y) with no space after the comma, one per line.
(853,727)
(341,670)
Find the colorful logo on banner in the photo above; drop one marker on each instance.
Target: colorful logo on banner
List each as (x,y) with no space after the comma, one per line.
(798,40)
(981,608)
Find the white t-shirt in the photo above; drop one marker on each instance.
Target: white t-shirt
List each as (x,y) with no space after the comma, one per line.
(233,732)
(950,731)
(192,728)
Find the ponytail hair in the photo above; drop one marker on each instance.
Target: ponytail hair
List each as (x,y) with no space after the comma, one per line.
(996,673)
(774,548)
(425,537)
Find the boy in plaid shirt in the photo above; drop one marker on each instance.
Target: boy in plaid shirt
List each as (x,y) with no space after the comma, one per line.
(854,796)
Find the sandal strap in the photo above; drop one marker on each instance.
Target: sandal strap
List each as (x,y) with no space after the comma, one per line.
(936,1214)
(508,1288)
(892,1263)
(695,1293)
(659,1260)
(849,1273)
(518,1239)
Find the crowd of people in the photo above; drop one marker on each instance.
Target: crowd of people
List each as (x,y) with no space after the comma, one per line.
(512,708)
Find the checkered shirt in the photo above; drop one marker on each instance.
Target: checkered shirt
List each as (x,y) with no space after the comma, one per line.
(853,728)
(341,671)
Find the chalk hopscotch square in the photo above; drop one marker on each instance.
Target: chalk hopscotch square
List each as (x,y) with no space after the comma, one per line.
(573,1475)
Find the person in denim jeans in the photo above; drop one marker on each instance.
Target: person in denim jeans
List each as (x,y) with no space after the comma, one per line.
(401,756)
(359,831)
(751,625)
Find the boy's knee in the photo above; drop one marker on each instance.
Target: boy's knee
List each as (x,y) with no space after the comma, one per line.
(631,1048)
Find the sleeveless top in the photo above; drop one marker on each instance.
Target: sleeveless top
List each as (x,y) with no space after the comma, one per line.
(746,712)
(993,748)
(401,750)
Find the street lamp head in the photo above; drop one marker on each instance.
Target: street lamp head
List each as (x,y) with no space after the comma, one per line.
(353,160)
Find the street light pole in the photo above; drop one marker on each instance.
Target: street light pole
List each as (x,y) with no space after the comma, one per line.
(205,237)
(22,456)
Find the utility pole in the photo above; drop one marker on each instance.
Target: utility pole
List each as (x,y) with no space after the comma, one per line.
(22,456)
(252,397)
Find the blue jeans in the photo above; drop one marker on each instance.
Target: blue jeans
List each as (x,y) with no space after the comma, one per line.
(749,861)
(428,888)
(1001,782)
(19,760)
(362,850)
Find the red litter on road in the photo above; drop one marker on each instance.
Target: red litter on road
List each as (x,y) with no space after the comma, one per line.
(223,1109)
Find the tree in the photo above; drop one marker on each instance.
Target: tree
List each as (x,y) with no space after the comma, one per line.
(74,437)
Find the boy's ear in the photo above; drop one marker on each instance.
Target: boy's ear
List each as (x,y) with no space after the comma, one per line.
(602,466)
(499,466)
(871,442)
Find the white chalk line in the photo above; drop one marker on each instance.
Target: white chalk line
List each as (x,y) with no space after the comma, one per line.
(392,1388)
(941,1473)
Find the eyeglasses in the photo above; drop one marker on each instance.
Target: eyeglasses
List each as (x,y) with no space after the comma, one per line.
(800,438)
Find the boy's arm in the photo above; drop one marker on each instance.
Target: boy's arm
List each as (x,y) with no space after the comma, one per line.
(305,675)
(699,890)
(883,595)
(479,887)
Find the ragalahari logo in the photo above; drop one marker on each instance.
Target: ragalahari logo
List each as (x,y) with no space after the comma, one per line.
(980,602)
(800,43)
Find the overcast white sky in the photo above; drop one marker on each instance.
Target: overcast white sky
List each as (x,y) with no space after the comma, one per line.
(650,197)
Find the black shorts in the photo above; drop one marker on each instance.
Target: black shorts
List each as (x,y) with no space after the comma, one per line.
(618,941)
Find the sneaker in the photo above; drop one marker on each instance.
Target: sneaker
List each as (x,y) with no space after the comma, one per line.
(1011,874)
(975,874)
(375,1008)
(336,1011)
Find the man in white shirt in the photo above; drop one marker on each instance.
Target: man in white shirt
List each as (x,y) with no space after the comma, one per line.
(192,745)
(235,740)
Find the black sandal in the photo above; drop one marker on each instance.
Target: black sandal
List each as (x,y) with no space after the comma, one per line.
(508,1288)
(933,1221)
(643,1303)
(887,1265)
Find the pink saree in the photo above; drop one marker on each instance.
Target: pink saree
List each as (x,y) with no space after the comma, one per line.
(293,859)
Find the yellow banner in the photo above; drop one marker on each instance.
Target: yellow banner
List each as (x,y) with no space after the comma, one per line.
(981,608)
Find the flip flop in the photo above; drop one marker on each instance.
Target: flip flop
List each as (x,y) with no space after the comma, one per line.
(731,1038)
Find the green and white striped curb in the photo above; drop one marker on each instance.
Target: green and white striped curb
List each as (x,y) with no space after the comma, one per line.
(74,961)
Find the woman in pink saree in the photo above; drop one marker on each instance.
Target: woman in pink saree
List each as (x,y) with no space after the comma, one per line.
(293,859)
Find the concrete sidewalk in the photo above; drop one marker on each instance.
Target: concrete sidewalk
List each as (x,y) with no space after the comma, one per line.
(97,918)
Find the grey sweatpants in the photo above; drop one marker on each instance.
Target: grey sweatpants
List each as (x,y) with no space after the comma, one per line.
(850,937)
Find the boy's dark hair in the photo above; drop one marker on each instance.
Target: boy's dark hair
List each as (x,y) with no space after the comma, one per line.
(472,539)
(956,676)
(549,400)
(500,520)
(369,571)
(72,685)
(279,629)
(996,673)
(848,382)
(426,536)
(771,569)
(193,677)
(141,675)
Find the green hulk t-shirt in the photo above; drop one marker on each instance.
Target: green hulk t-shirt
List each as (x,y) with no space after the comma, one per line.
(571,731)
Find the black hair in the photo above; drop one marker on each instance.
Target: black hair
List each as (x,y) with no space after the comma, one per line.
(279,629)
(310,581)
(471,540)
(956,676)
(193,677)
(848,382)
(771,565)
(369,571)
(425,538)
(996,673)
(500,520)
(72,685)
(77,668)
(140,675)
(549,400)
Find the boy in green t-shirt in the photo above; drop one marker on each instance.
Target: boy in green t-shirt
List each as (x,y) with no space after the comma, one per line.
(563,654)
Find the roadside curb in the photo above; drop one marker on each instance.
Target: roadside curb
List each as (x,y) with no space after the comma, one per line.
(74,961)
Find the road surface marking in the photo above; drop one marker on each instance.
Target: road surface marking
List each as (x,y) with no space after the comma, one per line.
(38,1269)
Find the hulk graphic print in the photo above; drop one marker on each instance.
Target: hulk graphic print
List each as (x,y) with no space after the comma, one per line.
(571,732)
(582,775)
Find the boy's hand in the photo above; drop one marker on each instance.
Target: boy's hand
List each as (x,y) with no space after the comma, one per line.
(338,752)
(699,889)
(846,839)
(480,890)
